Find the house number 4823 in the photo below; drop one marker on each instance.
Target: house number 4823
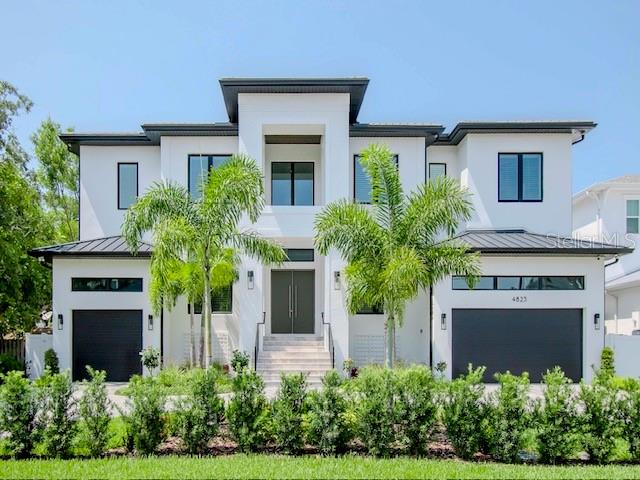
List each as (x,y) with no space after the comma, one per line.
(519,299)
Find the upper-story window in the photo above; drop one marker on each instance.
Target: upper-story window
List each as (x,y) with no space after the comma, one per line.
(199,166)
(520,177)
(361,181)
(437,170)
(127,185)
(292,183)
(633,216)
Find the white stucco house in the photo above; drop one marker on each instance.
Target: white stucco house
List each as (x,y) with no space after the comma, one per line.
(539,303)
(609,211)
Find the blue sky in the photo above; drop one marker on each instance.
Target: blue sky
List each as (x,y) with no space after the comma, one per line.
(110,66)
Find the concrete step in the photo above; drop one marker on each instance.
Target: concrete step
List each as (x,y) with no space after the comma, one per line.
(274,355)
(293,348)
(284,342)
(320,369)
(307,362)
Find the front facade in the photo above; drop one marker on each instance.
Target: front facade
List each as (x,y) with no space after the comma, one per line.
(610,211)
(538,304)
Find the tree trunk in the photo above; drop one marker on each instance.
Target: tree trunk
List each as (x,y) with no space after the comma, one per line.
(192,338)
(206,313)
(389,352)
(201,346)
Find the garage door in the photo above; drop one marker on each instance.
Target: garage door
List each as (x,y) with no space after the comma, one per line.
(108,340)
(518,340)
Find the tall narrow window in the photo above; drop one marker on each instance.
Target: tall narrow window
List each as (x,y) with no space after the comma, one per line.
(633,216)
(520,177)
(292,183)
(361,182)
(437,170)
(198,169)
(127,185)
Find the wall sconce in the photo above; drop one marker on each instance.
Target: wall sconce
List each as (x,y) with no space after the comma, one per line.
(250,279)
(150,322)
(60,321)
(596,321)
(443,321)
(336,280)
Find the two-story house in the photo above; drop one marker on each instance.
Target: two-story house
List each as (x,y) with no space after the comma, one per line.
(538,304)
(609,212)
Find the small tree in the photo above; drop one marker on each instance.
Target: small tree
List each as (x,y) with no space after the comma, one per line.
(18,407)
(51,363)
(145,420)
(247,412)
(631,417)
(600,418)
(607,364)
(150,358)
(56,419)
(94,412)
(287,412)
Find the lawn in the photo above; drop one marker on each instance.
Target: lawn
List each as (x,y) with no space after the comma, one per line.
(274,466)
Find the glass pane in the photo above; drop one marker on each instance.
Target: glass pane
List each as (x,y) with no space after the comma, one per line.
(198,168)
(531,176)
(632,225)
(370,310)
(128,184)
(217,160)
(281,183)
(299,254)
(362,185)
(530,283)
(221,300)
(303,187)
(437,170)
(633,208)
(508,283)
(483,283)
(106,284)
(562,283)
(129,284)
(508,177)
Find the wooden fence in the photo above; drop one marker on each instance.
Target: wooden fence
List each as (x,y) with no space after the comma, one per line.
(13,347)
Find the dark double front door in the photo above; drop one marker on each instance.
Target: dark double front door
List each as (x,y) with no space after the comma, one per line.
(292,301)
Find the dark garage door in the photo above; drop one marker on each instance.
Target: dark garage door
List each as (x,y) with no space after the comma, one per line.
(518,340)
(108,340)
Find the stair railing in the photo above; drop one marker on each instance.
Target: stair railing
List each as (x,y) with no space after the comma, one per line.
(328,340)
(259,335)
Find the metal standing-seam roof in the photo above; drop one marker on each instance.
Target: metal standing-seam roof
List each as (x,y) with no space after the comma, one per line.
(114,246)
(523,242)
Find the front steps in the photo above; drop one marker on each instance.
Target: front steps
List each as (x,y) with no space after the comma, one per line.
(293,354)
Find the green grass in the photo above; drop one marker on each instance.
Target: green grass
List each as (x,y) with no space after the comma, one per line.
(274,466)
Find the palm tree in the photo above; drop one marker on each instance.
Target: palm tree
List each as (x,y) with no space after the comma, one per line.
(202,233)
(393,248)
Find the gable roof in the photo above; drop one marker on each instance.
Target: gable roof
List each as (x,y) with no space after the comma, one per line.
(114,246)
(523,242)
(622,182)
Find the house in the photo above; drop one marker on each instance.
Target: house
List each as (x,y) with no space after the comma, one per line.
(609,211)
(537,305)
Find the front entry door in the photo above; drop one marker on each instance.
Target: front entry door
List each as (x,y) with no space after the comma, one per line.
(292,301)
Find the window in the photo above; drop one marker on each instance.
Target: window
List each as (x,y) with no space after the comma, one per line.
(80,284)
(198,169)
(292,183)
(299,254)
(633,216)
(361,182)
(557,282)
(520,177)
(371,310)
(127,185)
(437,170)
(221,301)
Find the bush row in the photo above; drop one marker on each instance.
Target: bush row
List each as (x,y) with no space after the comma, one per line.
(385,412)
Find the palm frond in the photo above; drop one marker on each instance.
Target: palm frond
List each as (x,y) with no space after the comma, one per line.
(253,245)
(447,259)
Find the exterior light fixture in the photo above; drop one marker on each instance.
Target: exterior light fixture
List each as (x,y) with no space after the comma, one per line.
(336,280)
(596,321)
(60,321)
(150,322)
(443,321)
(250,279)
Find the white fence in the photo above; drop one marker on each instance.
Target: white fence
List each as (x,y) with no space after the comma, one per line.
(627,354)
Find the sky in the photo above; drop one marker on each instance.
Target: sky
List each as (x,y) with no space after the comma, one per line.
(113,65)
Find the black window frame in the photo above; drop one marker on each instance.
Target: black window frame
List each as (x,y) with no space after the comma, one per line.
(209,164)
(137,183)
(76,288)
(305,250)
(292,180)
(371,310)
(197,307)
(356,156)
(520,178)
(520,288)
(436,163)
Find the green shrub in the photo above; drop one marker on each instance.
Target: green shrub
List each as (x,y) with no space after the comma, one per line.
(150,358)
(630,413)
(417,407)
(600,419)
(198,416)
(94,413)
(247,412)
(145,419)
(288,411)
(557,418)
(51,363)
(464,413)
(327,424)
(607,363)
(18,409)
(56,423)
(508,417)
(239,360)
(9,363)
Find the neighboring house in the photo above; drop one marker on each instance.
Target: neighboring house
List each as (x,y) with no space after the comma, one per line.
(609,211)
(538,304)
